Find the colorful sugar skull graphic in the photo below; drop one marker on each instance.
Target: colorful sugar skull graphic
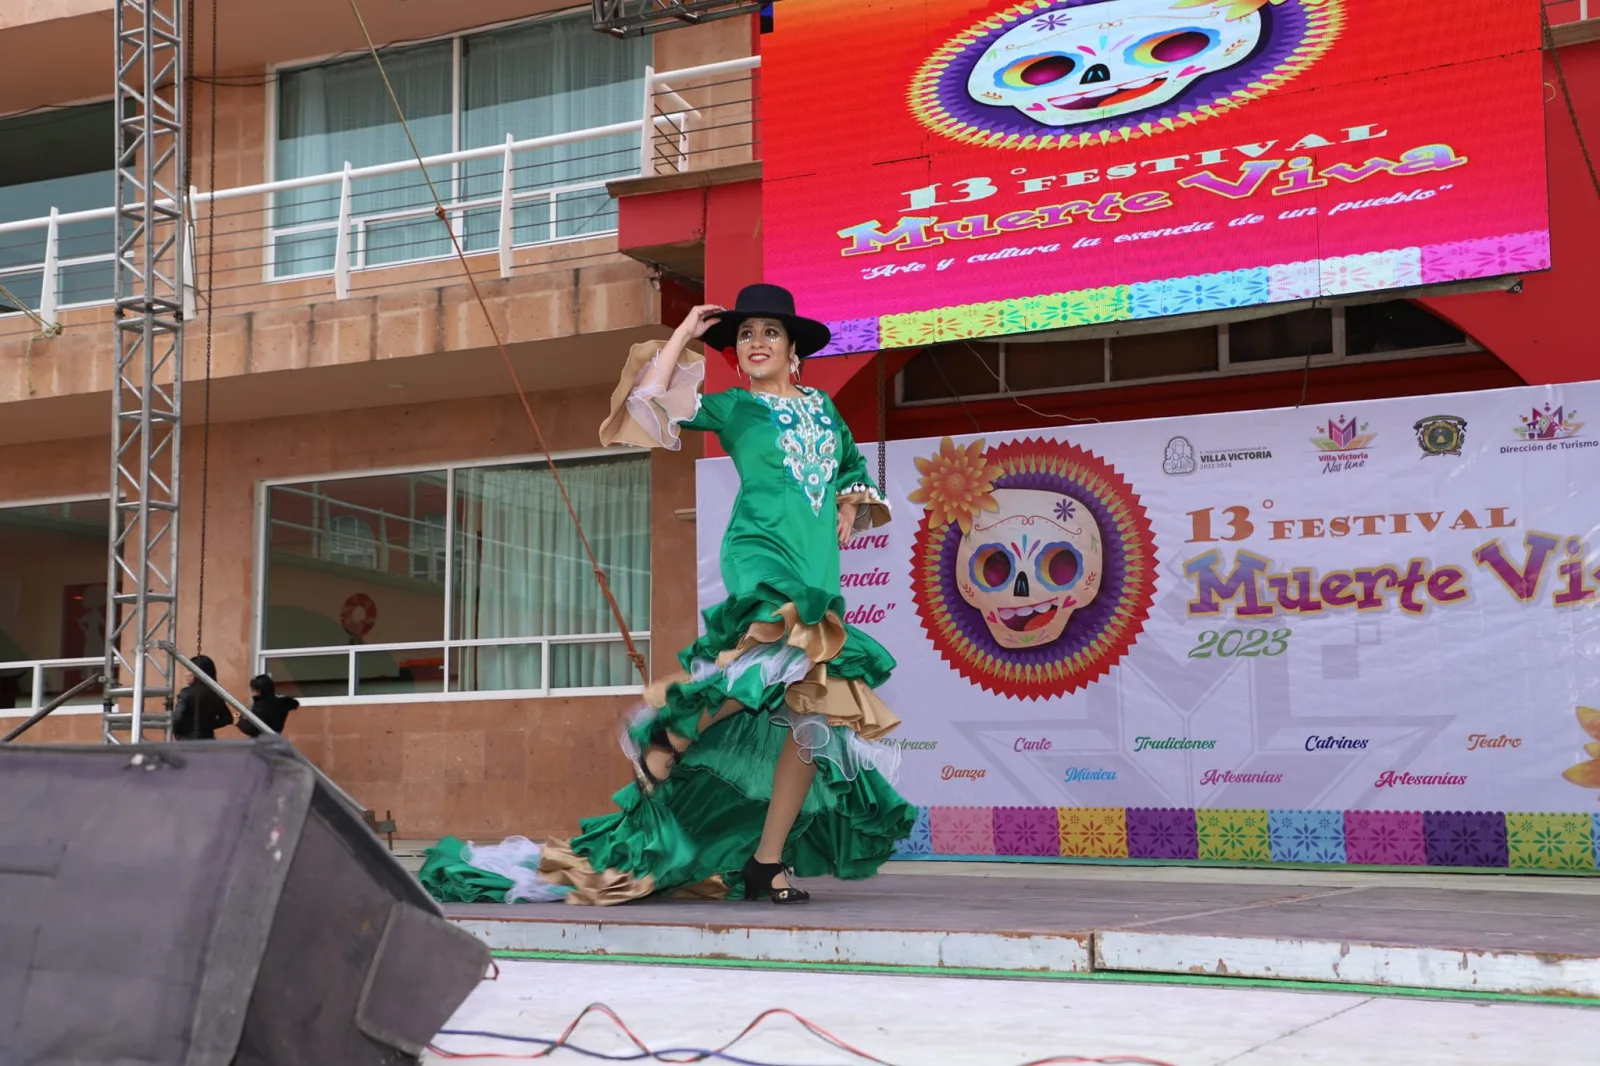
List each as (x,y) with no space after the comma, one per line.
(1027,568)
(1034,566)
(1101,61)
(1069,73)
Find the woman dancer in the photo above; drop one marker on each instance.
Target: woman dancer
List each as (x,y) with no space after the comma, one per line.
(760,762)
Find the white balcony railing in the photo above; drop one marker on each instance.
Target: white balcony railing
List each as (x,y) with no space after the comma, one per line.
(438,670)
(352,222)
(38,681)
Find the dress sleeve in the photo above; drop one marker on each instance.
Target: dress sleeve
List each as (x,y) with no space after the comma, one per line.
(855,484)
(650,417)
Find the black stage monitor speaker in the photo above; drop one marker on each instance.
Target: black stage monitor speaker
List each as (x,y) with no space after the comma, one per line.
(207,904)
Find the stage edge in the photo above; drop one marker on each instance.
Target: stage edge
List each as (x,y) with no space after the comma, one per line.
(1333,961)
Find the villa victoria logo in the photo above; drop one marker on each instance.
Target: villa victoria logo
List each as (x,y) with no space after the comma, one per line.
(1549,429)
(1181,457)
(1343,444)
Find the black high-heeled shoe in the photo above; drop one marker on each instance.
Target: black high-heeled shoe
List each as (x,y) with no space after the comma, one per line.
(758,883)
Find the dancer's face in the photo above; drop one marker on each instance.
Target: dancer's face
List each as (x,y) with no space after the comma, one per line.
(764,349)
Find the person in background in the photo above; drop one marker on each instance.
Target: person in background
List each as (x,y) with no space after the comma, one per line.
(267,705)
(200,712)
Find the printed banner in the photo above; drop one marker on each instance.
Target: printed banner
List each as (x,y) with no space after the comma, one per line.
(945,169)
(1363,633)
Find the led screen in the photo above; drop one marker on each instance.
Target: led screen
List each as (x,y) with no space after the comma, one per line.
(947,169)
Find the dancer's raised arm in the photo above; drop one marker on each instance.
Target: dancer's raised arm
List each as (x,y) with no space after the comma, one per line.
(660,389)
(692,328)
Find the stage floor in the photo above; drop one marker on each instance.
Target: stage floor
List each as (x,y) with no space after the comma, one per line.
(1504,934)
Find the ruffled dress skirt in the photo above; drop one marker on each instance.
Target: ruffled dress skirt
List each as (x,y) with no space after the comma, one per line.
(694,832)
(775,662)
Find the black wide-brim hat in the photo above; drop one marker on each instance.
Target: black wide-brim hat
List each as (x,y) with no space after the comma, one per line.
(768,301)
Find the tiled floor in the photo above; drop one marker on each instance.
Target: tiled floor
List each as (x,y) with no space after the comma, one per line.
(933,1021)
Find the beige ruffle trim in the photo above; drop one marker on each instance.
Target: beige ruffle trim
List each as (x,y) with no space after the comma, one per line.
(562,866)
(872,509)
(849,703)
(678,402)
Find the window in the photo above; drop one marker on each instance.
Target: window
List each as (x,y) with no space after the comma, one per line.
(1054,364)
(52,600)
(946,371)
(427,558)
(358,599)
(1396,327)
(350,542)
(531,80)
(66,159)
(1034,363)
(1161,355)
(1295,335)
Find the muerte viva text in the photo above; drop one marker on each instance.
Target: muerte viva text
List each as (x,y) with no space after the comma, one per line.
(1240,172)
(1539,565)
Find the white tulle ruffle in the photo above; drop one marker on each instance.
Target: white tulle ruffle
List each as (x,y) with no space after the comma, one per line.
(817,739)
(517,860)
(658,410)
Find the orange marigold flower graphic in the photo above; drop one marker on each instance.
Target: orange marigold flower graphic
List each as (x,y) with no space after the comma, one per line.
(1587,774)
(957,484)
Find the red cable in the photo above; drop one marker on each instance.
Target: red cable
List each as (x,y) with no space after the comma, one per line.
(810,1027)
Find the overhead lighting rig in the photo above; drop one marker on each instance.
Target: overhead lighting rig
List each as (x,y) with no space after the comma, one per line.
(632,18)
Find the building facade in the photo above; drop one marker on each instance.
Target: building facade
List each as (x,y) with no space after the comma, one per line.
(367,514)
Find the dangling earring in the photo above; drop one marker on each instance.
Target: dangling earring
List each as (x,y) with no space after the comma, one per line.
(794,369)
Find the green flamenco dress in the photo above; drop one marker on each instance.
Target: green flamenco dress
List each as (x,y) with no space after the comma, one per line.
(777,660)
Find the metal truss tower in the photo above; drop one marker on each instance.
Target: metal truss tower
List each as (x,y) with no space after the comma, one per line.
(147,388)
(630,18)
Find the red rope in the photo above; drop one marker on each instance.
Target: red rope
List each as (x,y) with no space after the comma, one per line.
(703,1055)
(511,370)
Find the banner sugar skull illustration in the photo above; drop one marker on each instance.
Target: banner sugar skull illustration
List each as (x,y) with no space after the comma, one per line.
(1034,567)
(1060,73)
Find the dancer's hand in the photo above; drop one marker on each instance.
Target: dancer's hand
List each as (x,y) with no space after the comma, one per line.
(847,522)
(697,321)
(693,327)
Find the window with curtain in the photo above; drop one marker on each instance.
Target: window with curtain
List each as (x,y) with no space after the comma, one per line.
(63,158)
(550,76)
(536,80)
(338,113)
(356,602)
(521,572)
